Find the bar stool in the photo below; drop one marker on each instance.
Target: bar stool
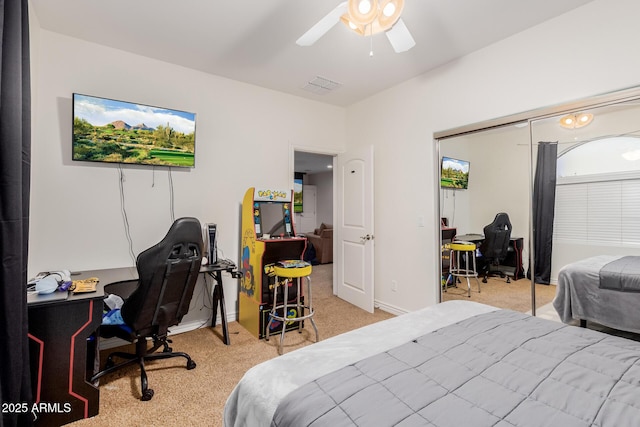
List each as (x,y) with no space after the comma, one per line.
(290,270)
(462,251)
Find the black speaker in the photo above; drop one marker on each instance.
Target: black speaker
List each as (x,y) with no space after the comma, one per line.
(211,239)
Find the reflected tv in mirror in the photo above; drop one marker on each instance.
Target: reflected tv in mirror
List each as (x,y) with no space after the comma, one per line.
(454,173)
(107,130)
(297,195)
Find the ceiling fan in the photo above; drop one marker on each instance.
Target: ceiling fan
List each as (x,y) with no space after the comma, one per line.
(365,17)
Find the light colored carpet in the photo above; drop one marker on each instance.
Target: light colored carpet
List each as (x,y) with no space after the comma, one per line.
(197,397)
(498,293)
(550,313)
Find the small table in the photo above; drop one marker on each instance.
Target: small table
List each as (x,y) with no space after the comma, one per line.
(215,271)
(473,238)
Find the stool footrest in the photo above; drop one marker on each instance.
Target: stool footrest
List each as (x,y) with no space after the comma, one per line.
(291,319)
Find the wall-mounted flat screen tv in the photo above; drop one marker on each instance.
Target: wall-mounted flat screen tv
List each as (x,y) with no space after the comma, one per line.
(454,173)
(297,195)
(106,130)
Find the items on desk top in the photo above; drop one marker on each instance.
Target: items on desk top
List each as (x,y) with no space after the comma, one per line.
(60,276)
(46,285)
(293,263)
(84,285)
(49,281)
(290,263)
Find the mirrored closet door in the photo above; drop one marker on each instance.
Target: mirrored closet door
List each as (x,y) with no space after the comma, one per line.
(568,177)
(496,162)
(596,205)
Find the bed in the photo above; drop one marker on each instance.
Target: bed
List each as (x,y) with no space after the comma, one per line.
(475,365)
(583,295)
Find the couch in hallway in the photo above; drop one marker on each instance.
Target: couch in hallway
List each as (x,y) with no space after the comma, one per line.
(322,241)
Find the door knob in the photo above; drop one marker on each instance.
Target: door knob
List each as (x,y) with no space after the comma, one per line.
(366,237)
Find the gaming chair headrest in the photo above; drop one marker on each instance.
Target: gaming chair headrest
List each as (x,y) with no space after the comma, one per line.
(501,221)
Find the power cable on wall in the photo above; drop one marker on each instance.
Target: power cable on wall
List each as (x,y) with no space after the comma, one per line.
(443,209)
(127,228)
(171,198)
(453,215)
(123,209)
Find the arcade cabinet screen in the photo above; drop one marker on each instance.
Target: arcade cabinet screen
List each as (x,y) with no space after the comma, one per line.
(272,218)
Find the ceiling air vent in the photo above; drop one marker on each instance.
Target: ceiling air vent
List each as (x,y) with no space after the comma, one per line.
(321,86)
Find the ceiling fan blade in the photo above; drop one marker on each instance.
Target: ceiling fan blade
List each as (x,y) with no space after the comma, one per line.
(400,37)
(322,26)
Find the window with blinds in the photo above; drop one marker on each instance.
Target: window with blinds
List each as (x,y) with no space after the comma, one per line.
(598,193)
(598,213)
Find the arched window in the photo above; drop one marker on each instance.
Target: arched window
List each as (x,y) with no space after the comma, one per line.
(598,193)
(604,158)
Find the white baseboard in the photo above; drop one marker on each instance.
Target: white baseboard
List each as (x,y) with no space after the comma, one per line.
(389,308)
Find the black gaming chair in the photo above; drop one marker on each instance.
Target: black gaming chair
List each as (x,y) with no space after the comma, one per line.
(158,300)
(495,246)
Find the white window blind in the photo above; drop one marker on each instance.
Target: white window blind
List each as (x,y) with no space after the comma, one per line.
(599,213)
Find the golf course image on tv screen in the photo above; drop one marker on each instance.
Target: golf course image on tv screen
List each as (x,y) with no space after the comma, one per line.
(106,130)
(454,173)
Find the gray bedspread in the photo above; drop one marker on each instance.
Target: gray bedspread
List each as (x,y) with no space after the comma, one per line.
(621,275)
(496,369)
(579,296)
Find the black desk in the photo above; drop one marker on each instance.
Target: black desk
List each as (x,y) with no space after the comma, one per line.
(215,271)
(62,346)
(113,275)
(63,343)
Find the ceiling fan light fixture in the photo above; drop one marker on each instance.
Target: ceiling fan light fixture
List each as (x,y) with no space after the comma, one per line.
(364,6)
(576,121)
(380,16)
(359,13)
(584,119)
(391,11)
(352,25)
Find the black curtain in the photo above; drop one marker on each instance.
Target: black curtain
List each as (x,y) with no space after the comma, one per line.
(544,199)
(15,170)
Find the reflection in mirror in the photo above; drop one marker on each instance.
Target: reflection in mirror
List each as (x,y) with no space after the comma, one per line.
(499,181)
(596,218)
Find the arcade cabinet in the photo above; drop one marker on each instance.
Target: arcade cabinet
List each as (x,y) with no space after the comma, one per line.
(268,236)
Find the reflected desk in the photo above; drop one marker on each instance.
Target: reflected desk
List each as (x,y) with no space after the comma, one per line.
(512,264)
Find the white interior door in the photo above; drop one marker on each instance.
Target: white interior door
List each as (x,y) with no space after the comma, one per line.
(355,227)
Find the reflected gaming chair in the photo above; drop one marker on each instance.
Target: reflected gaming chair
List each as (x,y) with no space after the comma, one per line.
(495,246)
(158,300)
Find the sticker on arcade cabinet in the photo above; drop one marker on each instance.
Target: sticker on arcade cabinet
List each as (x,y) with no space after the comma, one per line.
(247,283)
(268,195)
(276,325)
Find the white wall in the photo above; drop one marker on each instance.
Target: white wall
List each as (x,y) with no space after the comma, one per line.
(243,139)
(527,71)
(244,134)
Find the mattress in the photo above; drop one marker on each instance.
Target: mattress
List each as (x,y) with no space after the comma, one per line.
(501,368)
(255,398)
(580,297)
